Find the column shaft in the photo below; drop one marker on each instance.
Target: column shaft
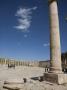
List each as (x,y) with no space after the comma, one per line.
(55,52)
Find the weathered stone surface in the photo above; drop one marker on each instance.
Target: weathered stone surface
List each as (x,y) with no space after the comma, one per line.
(14,81)
(56,78)
(55,49)
(10,87)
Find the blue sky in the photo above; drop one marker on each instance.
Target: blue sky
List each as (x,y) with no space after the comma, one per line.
(24,29)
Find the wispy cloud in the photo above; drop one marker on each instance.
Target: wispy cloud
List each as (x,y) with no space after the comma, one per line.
(24,18)
(46,44)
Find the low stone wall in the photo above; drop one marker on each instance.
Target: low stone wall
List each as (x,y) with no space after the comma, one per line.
(45,64)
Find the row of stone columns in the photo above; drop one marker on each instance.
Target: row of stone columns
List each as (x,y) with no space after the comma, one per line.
(19,63)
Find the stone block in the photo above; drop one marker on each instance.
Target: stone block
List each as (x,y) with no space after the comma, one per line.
(56,78)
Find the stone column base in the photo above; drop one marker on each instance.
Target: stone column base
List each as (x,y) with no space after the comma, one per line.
(56,78)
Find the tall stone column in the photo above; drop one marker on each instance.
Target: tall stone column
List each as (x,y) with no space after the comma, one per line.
(55,74)
(55,52)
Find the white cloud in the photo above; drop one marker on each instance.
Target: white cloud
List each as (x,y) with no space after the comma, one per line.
(46,44)
(34,8)
(24,18)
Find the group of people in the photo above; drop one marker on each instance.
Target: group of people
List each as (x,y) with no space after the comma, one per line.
(11,66)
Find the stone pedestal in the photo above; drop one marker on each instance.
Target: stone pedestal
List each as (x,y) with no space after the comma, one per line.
(56,78)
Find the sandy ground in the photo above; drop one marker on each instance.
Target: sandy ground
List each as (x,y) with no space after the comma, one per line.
(20,72)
